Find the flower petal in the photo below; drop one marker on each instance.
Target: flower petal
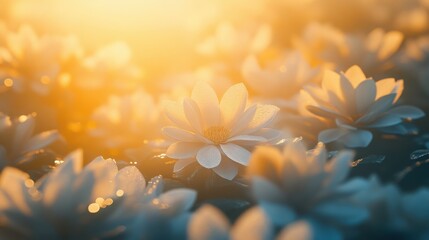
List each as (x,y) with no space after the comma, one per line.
(208,223)
(365,95)
(174,112)
(209,156)
(193,114)
(208,103)
(179,200)
(407,112)
(331,135)
(355,75)
(358,138)
(181,150)
(264,115)
(179,134)
(236,153)
(182,163)
(233,103)
(226,169)
(253,224)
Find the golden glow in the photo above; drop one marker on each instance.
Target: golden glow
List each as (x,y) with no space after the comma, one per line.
(29,183)
(8,82)
(23,118)
(120,193)
(93,208)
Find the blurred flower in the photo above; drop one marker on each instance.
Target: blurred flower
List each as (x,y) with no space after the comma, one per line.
(232,44)
(29,62)
(126,121)
(329,47)
(280,85)
(303,185)
(218,135)
(95,201)
(110,66)
(17,143)
(414,60)
(180,85)
(322,44)
(394,213)
(208,223)
(352,103)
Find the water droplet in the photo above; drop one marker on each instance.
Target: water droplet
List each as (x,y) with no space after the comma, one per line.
(419,154)
(29,183)
(93,208)
(120,193)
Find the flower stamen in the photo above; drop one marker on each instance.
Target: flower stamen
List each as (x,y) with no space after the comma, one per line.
(217,134)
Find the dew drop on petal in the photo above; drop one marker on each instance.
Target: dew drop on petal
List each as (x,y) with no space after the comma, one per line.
(120,193)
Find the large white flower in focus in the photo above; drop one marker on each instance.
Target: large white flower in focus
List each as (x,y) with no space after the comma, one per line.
(353,104)
(218,135)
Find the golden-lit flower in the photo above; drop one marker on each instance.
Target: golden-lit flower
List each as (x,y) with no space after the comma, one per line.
(17,142)
(110,66)
(126,121)
(30,62)
(322,44)
(92,202)
(353,104)
(218,135)
(231,43)
(299,184)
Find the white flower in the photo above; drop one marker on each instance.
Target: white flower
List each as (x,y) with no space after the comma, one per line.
(17,143)
(329,47)
(110,66)
(321,44)
(352,103)
(280,85)
(126,121)
(218,135)
(95,201)
(235,44)
(395,213)
(208,223)
(299,184)
(31,62)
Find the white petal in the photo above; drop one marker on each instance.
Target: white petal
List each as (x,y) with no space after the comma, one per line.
(264,190)
(243,120)
(182,163)
(236,153)
(193,114)
(41,140)
(253,225)
(377,108)
(179,134)
(300,230)
(339,168)
(174,112)
(130,180)
(264,115)
(208,103)
(209,156)
(178,200)
(331,135)
(407,112)
(279,214)
(365,95)
(208,223)
(358,138)
(342,213)
(355,75)
(233,103)
(226,169)
(182,150)
(250,138)
(323,112)
(385,121)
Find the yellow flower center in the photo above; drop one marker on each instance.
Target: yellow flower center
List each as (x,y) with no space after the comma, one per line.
(217,134)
